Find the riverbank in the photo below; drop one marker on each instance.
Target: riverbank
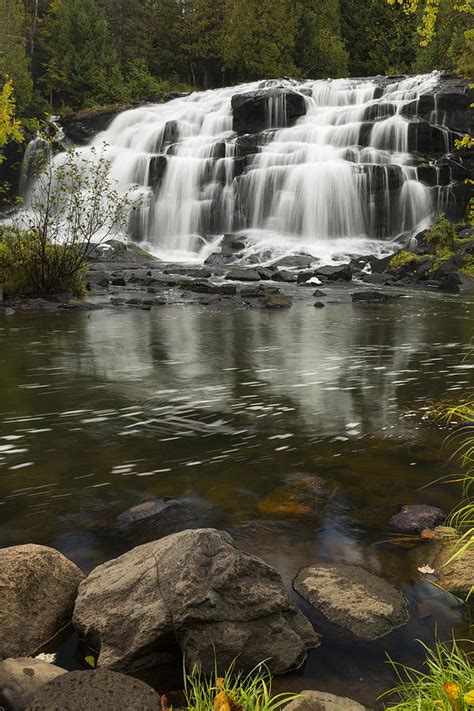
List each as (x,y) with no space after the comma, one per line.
(126,276)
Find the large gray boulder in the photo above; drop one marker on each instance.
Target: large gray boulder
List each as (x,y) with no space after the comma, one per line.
(94,690)
(38,587)
(196,589)
(22,677)
(354,601)
(321,701)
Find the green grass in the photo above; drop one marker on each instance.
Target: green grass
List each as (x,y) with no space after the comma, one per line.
(444,684)
(250,692)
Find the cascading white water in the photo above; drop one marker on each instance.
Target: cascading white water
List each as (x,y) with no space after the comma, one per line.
(339,179)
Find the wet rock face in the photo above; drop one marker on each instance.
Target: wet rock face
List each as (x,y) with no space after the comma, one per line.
(354,601)
(306,496)
(251,110)
(414,518)
(38,586)
(321,701)
(97,690)
(22,677)
(196,590)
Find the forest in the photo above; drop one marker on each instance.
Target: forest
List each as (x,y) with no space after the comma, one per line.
(64,55)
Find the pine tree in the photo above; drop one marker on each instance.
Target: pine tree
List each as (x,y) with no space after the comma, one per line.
(321,50)
(83,66)
(13,58)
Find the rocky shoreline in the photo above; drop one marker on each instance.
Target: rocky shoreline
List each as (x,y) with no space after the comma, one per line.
(193,594)
(123,275)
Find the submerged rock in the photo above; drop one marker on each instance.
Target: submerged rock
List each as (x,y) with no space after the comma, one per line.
(305,496)
(22,677)
(196,590)
(413,518)
(38,586)
(373,297)
(352,600)
(277,301)
(322,701)
(97,690)
(155,519)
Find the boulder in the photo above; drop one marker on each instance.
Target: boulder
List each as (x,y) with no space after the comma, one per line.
(305,496)
(251,111)
(277,301)
(22,677)
(373,297)
(38,587)
(94,690)
(414,518)
(243,275)
(322,701)
(354,601)
(157,518)
(455,576)
(339,272)
(318,305)
(193,588)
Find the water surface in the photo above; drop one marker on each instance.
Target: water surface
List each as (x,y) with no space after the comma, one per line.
(102,410)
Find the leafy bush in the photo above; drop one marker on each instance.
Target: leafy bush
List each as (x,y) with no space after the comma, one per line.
(442,233)
(27,270)
(73,201)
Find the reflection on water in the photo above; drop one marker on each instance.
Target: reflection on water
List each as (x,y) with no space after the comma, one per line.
(102,410)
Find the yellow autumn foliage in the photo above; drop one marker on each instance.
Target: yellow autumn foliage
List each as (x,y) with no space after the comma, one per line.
(10,127)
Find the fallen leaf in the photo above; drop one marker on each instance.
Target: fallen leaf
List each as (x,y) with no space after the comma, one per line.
(426,570)
(453,692)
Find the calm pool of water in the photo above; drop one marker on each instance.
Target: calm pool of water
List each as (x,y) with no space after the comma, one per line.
(102,410)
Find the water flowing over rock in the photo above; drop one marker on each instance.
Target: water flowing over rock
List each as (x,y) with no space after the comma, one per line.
(353,600)
(325,168)
(37,590)
(197,590)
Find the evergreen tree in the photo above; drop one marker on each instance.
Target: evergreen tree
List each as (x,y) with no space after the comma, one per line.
(259,37)
(321,50)
(13,58)
(82,67)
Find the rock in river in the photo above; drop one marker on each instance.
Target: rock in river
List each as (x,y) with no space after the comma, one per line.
(22,677)
(95,690)
(353,600)
(321,701)
(413,518)
(196,590)
(155,519)
(37,590)
(305,496)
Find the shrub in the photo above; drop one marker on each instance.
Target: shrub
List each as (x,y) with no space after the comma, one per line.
(28,271)
(443,233)
(73,202)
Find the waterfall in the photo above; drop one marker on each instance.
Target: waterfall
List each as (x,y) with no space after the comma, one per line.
(341,172)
